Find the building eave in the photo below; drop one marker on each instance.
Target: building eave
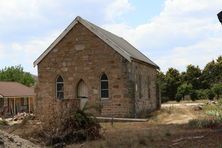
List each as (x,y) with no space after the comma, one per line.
(143,62)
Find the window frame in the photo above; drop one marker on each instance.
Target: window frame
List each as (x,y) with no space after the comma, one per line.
(60,91)
(102,89)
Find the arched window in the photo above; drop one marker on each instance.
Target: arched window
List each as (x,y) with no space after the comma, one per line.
(82,90)
(59,88)
(104,86)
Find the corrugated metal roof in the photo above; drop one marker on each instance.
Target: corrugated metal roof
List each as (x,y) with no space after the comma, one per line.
(117,43)
(14,89)
(124,45)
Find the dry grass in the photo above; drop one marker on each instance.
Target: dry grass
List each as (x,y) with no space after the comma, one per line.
(175,115)
(155,136)
(162,130)
(164,127)
(187,101)
(137,137)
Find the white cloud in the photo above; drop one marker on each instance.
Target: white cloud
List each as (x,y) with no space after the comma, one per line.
(185,32)
(197,54)
(13,10)
(117,8)
(35,46)
(25,52)
(26,25)
(2,53)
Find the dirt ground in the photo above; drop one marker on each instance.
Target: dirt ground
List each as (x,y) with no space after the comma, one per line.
(178,113)
(158,137)
(13,141)
(165,128)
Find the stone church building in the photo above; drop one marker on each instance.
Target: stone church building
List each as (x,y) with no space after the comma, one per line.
(89,64)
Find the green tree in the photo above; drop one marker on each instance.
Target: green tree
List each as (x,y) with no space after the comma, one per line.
(208,74)
(217,89)
(200,80)
(219,69)
(163,86)
(194,95)
(192,76)
(201,94)
(212,73)
(16,74)
(183,90)
(172,80)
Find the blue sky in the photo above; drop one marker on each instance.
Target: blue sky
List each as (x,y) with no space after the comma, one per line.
(173,33)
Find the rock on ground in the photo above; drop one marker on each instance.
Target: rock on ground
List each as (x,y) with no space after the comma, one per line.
(14,141)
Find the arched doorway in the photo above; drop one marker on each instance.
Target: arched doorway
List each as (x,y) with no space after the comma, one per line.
(82,93)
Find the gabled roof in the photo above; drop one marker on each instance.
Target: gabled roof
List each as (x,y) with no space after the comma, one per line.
(120,45)
(14,89)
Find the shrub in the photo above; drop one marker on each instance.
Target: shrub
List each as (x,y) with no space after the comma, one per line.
(214,110)
(85,127)
(201,94)
(213,116)
(70,126)
(209,94)
(217,89)
(193,95)
(178,97)
(204,123)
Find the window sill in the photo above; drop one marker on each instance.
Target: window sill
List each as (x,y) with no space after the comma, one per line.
(104,98)
(58,100)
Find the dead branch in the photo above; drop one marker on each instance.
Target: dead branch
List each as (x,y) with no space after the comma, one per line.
(178,141)
(188,138)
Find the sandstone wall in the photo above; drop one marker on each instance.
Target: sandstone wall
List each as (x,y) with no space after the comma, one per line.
(82,55)
(145,88)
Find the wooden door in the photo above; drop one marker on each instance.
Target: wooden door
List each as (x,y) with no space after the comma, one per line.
(82,93)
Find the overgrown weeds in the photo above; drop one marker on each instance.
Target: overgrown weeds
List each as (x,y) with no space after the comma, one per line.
(212,119)
(70,126)
(214,110)
(204,123)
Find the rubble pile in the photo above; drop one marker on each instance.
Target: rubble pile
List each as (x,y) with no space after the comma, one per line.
(18,118)
(14,141)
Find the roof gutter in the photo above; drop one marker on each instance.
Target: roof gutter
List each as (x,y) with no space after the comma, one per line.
(145,63)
